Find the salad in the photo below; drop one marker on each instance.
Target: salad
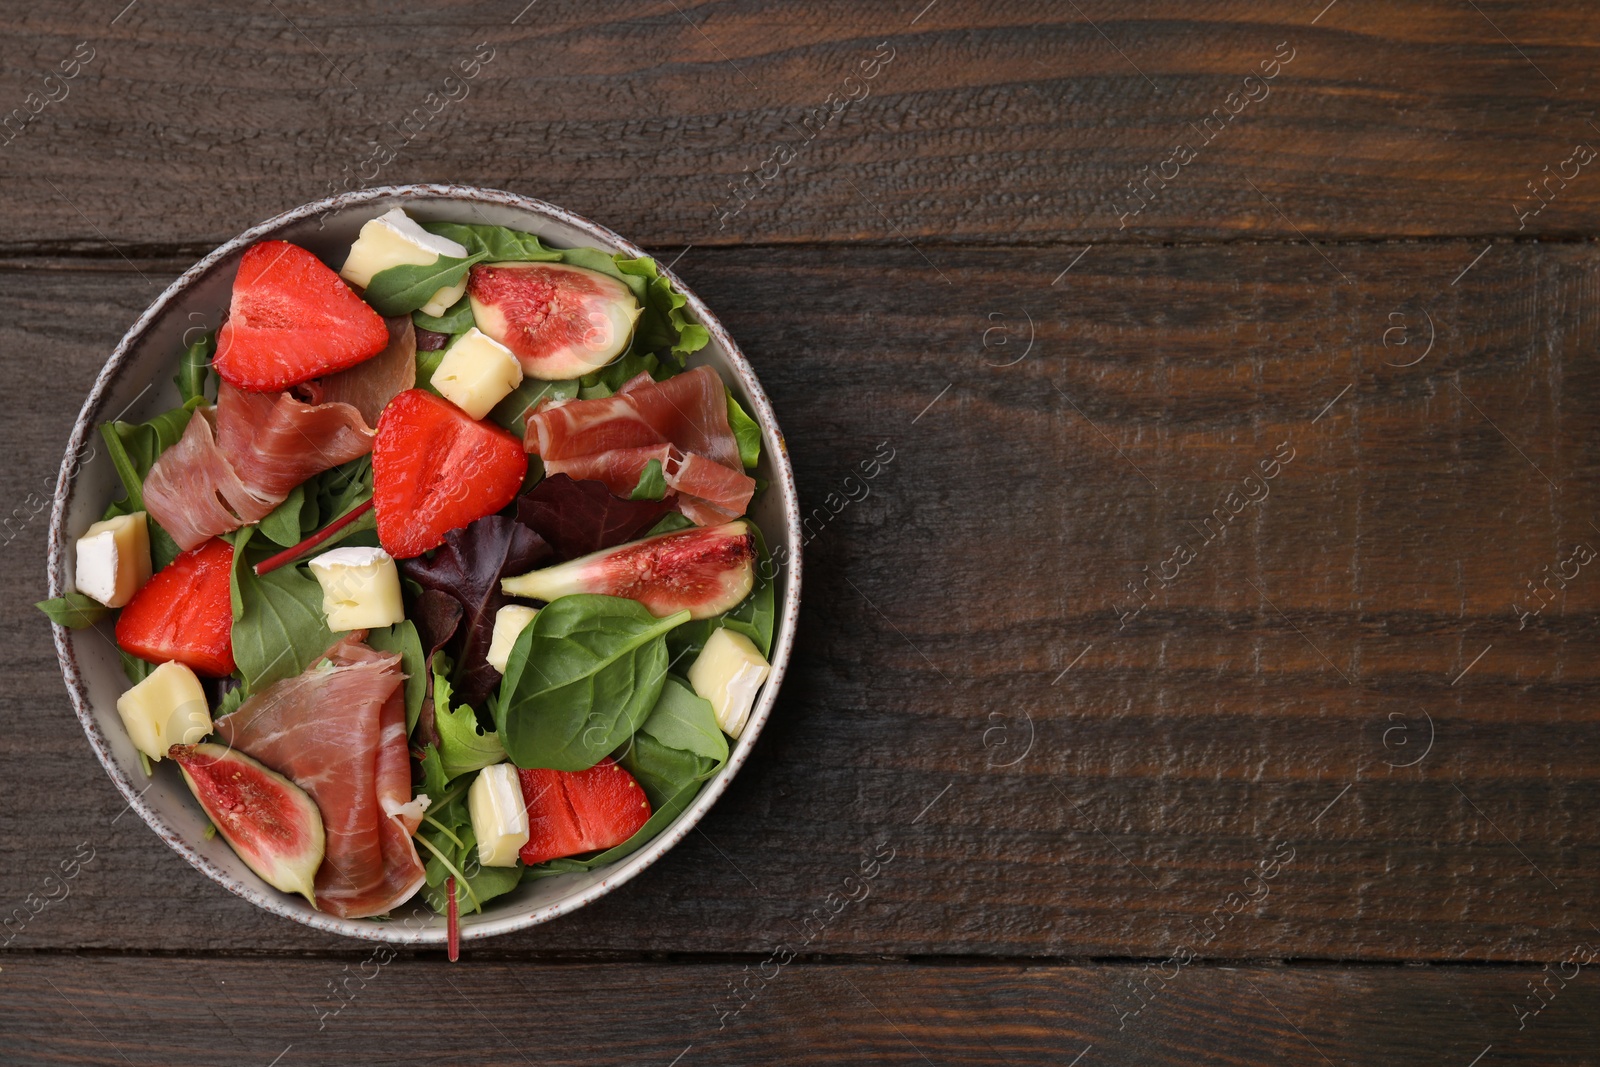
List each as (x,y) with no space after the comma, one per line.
(440,577)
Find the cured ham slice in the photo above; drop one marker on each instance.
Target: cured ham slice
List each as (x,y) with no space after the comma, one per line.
(194,492)
(689,410)
(338,731)
(370,385)
(238,461)
(708,493)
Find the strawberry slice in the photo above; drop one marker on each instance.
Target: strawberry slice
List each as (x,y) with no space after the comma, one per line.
(580,811)
(184,613)
(435,469)
(292,319)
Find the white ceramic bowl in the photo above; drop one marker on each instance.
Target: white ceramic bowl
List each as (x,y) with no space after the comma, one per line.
(137,384)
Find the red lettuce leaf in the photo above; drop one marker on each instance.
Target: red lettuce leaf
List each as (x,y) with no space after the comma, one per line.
(577,518)
(467,568)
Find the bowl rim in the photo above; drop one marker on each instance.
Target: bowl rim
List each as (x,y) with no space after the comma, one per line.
(252,888)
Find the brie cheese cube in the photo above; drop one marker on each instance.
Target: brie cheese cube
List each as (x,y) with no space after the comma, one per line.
(360,588)
(476,373)
(509,622)
(113,559)
(499,817)
(393,239)
(167,708)
(729,673)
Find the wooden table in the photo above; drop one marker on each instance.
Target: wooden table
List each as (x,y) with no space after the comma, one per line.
(1212,668)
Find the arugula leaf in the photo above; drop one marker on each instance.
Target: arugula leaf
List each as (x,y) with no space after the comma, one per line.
(402,637)
(497,243)
(468,568)
(652,483)
(754,616)
(512,412)
(278,626)
(672,520)
(746,432)
(230,702)
(451,847)
(194,368)
(403,289)
(457,319)
(578,518)
(135,668)
(134,449)
(463,745)
(74,611)
(580,680)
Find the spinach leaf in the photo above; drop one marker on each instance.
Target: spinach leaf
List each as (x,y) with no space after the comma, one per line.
(746,432)
(278,626)
(402,638)
(754,616)
(283,526)
(580,680)
(457,319)
(682,719)
(672,520)
(194,368)
(403,289)
(496,243)
(463,746)
(512,412)
(652,483)
(74,611)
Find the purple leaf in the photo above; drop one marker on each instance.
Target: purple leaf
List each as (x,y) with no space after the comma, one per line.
(467,569)
(577,518)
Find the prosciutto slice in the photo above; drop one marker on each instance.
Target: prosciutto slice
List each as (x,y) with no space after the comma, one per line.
(338,731)
(708,493)
(237,462)
(689,410)
(371,384)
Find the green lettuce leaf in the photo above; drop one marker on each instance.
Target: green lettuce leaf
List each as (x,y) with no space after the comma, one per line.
(652,483)
(496,243)
(746,432)
(463,745)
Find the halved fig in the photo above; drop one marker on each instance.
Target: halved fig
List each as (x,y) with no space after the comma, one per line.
(274,826)
(559,321)
(704,570)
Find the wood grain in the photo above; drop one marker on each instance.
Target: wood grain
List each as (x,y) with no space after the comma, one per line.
(118,1011)
(1275,701)
(991,122)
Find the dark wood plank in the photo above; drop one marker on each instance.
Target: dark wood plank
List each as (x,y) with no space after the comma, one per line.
(62,1010)
(1257,706)
(991,122)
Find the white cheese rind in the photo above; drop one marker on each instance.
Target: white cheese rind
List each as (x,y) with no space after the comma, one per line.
(360,588)
(728,673)
(476,373)
(394,239)
(509,622)
(167,708)
(499,817)
(113,559)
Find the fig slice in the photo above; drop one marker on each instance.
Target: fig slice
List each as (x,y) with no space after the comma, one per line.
(274,826)
(704,570)
(560,321)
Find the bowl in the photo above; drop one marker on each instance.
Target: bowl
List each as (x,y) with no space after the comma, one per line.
(136,384)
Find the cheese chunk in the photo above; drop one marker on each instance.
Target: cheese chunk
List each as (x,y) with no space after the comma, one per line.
(728,673)
(509,622)
(476,373)
(167,708)
(360,588)
(393,239)
(499,817)
(114,559)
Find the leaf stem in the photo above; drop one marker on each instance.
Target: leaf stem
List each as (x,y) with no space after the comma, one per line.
(289,555)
